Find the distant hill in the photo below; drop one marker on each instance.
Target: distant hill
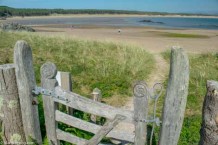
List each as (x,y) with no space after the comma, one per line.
(6,11)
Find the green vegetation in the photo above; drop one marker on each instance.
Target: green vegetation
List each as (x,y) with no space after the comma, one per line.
(112,68)
(45,12)
(8,11)
(203,67)
(180,35)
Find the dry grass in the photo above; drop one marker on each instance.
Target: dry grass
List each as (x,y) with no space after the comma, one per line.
(116,100)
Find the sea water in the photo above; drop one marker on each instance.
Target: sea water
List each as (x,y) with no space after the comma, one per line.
(164,22)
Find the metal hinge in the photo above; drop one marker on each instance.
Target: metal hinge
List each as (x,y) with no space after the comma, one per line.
(39,90)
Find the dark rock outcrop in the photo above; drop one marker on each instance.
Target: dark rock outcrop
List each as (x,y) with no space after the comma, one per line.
(15,27)
(150,21)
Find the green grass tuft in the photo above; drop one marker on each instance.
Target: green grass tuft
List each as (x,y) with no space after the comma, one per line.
(180,35)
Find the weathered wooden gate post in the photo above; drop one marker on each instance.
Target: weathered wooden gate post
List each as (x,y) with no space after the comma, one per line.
(26,83)
(13,132)
(48,72)
(209,127)
(176,98)
(140,112)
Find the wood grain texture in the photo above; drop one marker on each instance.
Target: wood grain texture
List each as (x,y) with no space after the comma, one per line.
(176,98)
(26,83)
(70,138)
(105,129)
(66,81)
(48,73)
(64,136)
(13,132)
(209,126)
(91,127)
(140,113)
(87,105)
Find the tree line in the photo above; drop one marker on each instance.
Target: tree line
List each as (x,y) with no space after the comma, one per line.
(8,11)
(45,12)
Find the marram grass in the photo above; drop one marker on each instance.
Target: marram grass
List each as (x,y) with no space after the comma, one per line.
(112,68)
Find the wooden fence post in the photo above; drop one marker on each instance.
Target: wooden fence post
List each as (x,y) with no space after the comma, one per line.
(48,72)
(176,98)
(65,81)
(1,112)
(96,97)
(140,113)
(13,132)
(26,83)
(209,127)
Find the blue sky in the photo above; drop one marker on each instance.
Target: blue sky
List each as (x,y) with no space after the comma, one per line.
(191,6)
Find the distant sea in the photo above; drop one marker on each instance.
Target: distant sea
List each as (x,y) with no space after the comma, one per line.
(163,22)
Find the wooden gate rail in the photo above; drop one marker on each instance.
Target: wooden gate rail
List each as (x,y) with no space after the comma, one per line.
(81,103)
(91,127)
(89,106)
(105,129)
(61,135)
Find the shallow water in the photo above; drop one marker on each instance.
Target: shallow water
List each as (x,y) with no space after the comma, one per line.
(166,22)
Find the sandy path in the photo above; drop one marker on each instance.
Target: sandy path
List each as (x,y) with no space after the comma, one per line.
(159,74)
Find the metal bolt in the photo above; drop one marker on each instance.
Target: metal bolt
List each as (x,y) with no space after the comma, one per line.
(34,102)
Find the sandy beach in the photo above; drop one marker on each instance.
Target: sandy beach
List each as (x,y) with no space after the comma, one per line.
(155,40)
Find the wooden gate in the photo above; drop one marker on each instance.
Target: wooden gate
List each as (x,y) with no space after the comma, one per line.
(54,95)
(75,101)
